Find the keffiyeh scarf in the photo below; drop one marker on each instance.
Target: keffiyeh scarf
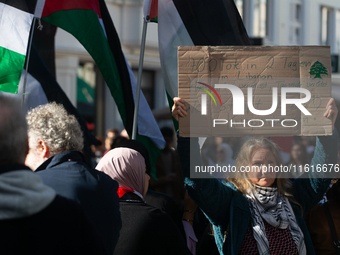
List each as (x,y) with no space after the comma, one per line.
(268,204)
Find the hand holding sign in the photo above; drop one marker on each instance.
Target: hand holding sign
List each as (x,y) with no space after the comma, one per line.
(178,109)
(331,111)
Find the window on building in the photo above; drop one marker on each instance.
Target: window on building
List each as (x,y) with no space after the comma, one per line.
(338,30)
(256,16)
(148,85)
(325,32)
(295,24)
(86,85)
(239,5)
(260,17)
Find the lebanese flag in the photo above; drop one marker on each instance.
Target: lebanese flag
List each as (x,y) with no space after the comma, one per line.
(15,24)
(89,21)
(190,23)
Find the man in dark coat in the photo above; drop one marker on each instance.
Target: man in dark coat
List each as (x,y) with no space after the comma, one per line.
(33,219)
(55,142)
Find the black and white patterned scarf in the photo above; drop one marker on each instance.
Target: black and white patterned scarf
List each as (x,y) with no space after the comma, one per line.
(268,204)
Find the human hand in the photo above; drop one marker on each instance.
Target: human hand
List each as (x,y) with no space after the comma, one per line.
(331,111)
(178,109)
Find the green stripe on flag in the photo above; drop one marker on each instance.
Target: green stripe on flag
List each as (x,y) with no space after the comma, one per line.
(154,20)
(92,37)
(11,66)
(153,150)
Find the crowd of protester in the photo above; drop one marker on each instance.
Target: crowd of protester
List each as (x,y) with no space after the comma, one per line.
(53,202)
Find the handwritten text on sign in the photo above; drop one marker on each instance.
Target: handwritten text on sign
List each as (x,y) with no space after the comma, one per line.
(241,91)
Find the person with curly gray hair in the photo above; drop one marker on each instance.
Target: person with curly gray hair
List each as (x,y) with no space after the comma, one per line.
(47,222)
(51,130)
(55,144)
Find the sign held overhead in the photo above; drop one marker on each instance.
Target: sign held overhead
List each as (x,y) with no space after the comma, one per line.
(251,90)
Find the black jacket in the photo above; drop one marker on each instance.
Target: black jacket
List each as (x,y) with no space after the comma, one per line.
(70,177)
(60,227)
(166,204)
(147,230)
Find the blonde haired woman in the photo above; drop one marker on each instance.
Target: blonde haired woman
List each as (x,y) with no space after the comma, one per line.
(260,214)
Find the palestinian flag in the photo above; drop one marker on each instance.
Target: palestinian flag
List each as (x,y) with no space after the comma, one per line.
(89,21)
(190,23)
(42,88)
(41,84)
(150,10)
(16,17)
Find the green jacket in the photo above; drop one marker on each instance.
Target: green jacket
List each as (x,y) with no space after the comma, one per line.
(228,209)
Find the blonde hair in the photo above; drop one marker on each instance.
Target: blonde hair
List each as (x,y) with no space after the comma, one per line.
(240,179)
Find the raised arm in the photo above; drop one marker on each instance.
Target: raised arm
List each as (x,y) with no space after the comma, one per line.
(309,191)
(209,194)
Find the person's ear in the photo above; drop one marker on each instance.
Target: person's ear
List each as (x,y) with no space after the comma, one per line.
(43,150)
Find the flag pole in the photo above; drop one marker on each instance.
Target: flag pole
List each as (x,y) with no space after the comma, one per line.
(139,81)
(28,59)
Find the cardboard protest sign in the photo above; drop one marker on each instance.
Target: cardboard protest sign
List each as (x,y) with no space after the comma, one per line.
(251,90)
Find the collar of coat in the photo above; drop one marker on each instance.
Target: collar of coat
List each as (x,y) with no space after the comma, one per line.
(131,197)
(60,158)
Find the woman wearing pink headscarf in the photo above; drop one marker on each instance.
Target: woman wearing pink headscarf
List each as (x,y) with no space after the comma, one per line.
(145,229)
(127,167)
